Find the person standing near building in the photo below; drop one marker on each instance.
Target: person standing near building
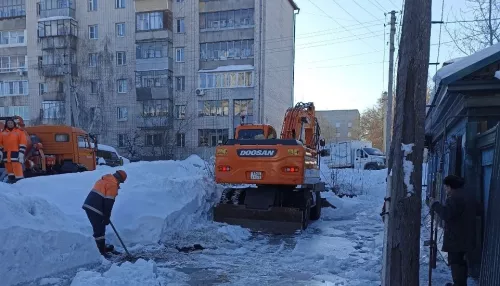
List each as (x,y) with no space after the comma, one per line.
(458,215)
(13,143)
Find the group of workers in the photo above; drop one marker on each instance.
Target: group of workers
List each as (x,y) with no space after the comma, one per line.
(13,143)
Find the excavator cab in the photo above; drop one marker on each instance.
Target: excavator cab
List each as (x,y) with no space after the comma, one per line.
(255,132)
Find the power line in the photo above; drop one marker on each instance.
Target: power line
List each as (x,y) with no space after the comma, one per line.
(347,12)
(377,5)
(440,31)
(464,21)
(370,13)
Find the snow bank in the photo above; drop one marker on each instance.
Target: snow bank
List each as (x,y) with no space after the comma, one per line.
(44,230)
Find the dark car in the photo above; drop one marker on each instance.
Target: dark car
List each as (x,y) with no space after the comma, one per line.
(111,158)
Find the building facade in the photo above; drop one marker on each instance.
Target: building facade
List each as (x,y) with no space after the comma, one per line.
(155,78)
(339,125)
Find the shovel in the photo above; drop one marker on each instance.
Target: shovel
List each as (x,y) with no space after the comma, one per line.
(128,257)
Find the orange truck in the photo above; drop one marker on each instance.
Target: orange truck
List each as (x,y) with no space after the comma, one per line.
(284,172)
(56,149)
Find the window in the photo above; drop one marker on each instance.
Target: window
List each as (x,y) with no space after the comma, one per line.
(121,58)
(93,87)
(13,88)
(180,25)
(19,110)
(10,64)
(122,113)
(213,108)
(232,19)
(181,140)
(122,85)
(93,32)
(92,59)
(180,83)
(53,109)
(12,37)
(349,135)
(212,137)
(119,4)
(337,125)
(57,28)
(179,1)
(42,88)
(120,29)
(338,134)
(15,8)
(154,78)
(92,5)
(180,111)
(225,79)
(149,21)
(349,124)
(179,55)
(122,140)
(243,107)
(220,51)
(154,139)
(155,108)
(149,50)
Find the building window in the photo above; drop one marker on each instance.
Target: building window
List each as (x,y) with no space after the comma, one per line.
(153,140)
(212,137)
(92,59)
(179,55)
(337,125)
(121,58)
(149,21)
(225,79)
(93,87)
(12,38)
(243,107)
(180,111)
(233,19)
(349,124)
(122,85)
(179,1)
(12,9)
(120,29)
(180,25)
(92,5)
(13,88)
(338,134)
(53,109)
(180,83)
(240,49)
(122,140)
(154,78)
(181,140)
(119,4)
(42,88)
(93,32)
(122,113)
(349,135)
(10,64)
(213,108)
(19,110)
(155,108)
(149,50)
(57,28)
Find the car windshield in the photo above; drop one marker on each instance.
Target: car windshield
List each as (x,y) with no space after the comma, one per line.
(373,151)
(249,134)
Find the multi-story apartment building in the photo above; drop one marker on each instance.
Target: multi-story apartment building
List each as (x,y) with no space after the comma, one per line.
(154,78)
(339,125)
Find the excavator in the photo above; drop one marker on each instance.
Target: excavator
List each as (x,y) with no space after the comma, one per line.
(276,185)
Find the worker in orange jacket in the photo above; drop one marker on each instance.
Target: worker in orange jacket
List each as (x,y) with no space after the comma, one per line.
(13,143)
(98,206)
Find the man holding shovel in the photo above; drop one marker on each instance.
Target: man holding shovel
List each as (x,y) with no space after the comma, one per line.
(98,206)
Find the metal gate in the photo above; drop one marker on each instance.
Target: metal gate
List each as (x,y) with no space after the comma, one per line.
(490,264)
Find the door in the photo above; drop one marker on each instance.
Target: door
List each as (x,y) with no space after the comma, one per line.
(85,154)
(359,159)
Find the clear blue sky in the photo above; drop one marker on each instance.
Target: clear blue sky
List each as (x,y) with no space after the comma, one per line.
(339,52)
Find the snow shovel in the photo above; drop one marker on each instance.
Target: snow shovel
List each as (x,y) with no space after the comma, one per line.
(121,241)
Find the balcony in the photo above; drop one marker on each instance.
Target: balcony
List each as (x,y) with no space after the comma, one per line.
(154,64)
(50,43)
(53,96)
(13,11)
(57,8)
(154,122)
(57,70)
(152,5)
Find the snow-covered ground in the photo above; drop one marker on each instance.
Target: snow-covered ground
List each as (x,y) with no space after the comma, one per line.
(45,238)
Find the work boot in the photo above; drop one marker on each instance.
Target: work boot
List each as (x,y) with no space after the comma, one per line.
(459,274)
(110,248)
(101,246)
(11,180)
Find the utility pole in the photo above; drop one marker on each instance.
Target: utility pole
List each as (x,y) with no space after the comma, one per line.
(402,240)
(388,119)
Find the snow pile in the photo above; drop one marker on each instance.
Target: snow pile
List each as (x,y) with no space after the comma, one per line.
(234,233)
(44,230)
(407,167)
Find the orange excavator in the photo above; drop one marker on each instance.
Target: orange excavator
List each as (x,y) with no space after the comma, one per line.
(284,173)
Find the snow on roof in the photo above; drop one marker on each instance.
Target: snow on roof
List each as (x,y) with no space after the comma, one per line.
(230,68)
(451,61)
(99,146)
(55,18)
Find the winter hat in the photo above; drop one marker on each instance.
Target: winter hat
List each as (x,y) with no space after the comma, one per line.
(454,182)
(120,175)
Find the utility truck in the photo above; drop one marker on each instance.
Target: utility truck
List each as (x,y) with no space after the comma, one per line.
(355,154)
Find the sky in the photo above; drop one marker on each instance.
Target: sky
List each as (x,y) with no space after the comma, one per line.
(340,52)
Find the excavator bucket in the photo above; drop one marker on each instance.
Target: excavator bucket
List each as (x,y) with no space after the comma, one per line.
(255,210)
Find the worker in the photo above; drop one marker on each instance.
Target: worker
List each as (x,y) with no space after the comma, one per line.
(13,143)
(98,206)
(458,214)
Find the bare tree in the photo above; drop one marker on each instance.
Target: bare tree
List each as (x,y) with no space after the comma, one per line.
(133,144)
(372,123)
(471,34)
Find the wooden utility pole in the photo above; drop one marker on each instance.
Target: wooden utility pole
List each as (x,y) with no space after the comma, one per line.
(402,241)
(392,49)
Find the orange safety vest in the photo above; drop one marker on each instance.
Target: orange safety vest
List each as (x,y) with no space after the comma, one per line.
(13,142)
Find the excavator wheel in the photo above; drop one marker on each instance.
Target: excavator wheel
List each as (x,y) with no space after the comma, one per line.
(316,210)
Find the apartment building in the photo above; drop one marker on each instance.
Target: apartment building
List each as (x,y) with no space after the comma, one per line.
(339,125)
(154,78)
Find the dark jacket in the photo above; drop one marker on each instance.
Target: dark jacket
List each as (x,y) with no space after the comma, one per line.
(458,215)
(102,196)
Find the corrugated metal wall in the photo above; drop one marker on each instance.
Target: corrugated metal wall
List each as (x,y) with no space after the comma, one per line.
(490,265)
